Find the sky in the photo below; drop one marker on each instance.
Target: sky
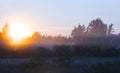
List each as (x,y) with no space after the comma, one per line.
(54,17)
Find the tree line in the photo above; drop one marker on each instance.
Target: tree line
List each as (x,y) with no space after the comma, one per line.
(96,33)
(97,39)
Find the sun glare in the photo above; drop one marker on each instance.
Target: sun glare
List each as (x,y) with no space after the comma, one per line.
(19,31)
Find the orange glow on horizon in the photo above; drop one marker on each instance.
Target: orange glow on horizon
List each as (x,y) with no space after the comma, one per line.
(18,32)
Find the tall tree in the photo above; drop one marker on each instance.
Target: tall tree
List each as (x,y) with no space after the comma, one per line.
(5,31)
(97,28)
(78,31)
(36,35)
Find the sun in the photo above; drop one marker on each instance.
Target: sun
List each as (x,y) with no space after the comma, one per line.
(19,31)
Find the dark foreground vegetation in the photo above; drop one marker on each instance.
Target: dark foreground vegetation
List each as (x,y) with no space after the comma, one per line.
(61,59)
(59,51)
(35,66)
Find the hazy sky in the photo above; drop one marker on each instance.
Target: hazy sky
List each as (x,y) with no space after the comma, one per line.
(59,16)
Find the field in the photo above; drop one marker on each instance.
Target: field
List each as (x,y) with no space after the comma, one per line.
(55,65)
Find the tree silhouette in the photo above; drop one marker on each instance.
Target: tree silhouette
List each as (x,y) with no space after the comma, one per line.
(78,31)
(5,30)
(97,28)
(36,35)
(110,29)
